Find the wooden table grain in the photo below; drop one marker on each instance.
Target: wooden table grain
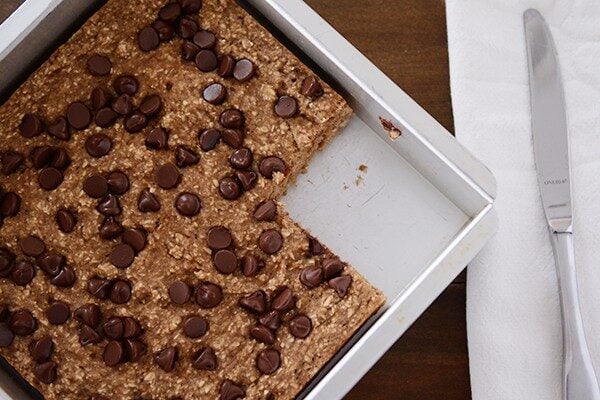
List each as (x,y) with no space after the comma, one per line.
(407,40)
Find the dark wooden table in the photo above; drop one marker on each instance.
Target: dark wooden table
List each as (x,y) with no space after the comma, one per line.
(407,40)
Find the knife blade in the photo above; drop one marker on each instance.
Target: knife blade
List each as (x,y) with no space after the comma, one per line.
(551,153)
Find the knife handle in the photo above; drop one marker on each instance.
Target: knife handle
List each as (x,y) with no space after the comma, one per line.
(579,378)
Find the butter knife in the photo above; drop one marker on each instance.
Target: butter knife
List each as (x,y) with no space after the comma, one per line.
(551,151)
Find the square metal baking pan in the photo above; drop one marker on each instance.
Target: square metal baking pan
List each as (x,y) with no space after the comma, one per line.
(394,194)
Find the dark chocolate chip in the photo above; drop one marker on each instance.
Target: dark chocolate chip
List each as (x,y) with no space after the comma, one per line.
(209,138)
(65,278)
(332,267)
(170,12)
(286,107)
(22,322)
(188,204)
(135,122)
(134,349)
(22,273)
(99,287)
(60,159)
(311,87)
(4,313)
(208,295)
(205,359)
(126,84)
(190,6)
(122,105)
(50,178)
(147,201)
(270,241)
(206,60)
(185,157)
(195,327)
(7,262)
(120,292)
(341,284)
(311,277)
(122,255)
(262,334)
(167,358)
(60,129)
(226,66)
(225,261)
(315,248)
(148,39)
(109,205)
(232,118)
(179,292)
(233,137)
(105,117)
(131,328)
(118,183)
(110,228)
(99,98)
(31,126)
(189,50)
(157,139)
(244,70)
(205,39)
(10,204)
(11,161)
(283,300)
(41,349)
(98,145)
(246,178)
(251,265)
(219,238)
(136,238)
(41,156)
(255,302)
(51,263)
(231,391)
(95,186)
(266,211)
(6,336)
(270,165)
(167,176)
(113,328)
(32,246)
(241,158)
(165,30)
(187,28)
(300,326)
(78,115)
(46,372)
(268,361)
(99,65)
(215,93)
(88,335)
(229,188)
(114,353)
(271,320)
(151,105)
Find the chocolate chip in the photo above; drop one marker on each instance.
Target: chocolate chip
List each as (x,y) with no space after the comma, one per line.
(109,205)
(229,188)
(105,117)
(195,327)
(226,65)
(78,115)
(10,204)
(11,162)
(179,292)
(7,262)
(283,300)
(122,105)
(265,211)
(246,178)
(118,183)
(232,118)
(120,292)
(233,137)
(147,202)
(99,98)
(270,241)
(41,156)
(113,328)
(95,186)
(22,273)
(60,159)
(225,261)
(88,335)
(126,84)
(148,39)
(185,157)
(50,178)
(255,302)
(341,284)
(188,204)
(134,349)
(251,265)
(244,70)
(151,105)
(51,263)
(231,391)
(165,30)
(219,238)
(208,295)
(187,28)
(268,361)
(215,93)
(131,328)
(189,50)
(286,107)
(4,313)
(332,267)
(311,277)
(98,145)
(167,176)
(122,255)
(65,278)
(41,350)
(157,139)
(99,65)
(113,353)
(270,165)
(190,6)
(205,359)
(262,334)
(22,322)
(136,238)
(271,320)
(31,126)
(209,138)
(32,246)
(46,372)
(167,358)
(99,287)
(300,326)
(206,60)
(315,248)
(60,129)
(135,122)
(6,336)
(311,87)
(110,228)
(241,158)
(170,12)
(205,39)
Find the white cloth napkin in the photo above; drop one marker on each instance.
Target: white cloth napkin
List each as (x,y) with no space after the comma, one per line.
(513,314)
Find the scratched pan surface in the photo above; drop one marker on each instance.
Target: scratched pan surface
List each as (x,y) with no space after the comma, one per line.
(409,213)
